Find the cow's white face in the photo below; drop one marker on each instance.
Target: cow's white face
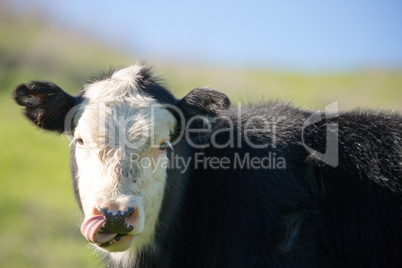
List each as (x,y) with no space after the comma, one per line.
(119,170)
(120,164)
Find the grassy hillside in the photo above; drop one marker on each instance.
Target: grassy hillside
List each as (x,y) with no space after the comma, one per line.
(371,88)
(39,223)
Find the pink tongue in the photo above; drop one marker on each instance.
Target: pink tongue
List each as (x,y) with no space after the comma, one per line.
(91,227)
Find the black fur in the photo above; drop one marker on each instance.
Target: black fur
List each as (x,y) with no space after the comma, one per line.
(204,102)
(308,214)
(46,105)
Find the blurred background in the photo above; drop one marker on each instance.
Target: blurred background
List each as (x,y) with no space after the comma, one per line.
(308,52)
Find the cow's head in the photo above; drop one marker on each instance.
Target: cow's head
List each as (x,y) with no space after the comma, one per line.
(121,126)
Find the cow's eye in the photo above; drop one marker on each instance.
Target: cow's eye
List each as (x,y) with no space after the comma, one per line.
(166,145)
(80,141)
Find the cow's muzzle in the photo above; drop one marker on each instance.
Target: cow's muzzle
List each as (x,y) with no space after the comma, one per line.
(110,229)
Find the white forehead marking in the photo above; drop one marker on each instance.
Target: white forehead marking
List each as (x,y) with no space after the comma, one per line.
(116,101)
(121,84)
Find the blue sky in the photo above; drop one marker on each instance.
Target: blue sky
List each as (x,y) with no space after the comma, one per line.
(293,34)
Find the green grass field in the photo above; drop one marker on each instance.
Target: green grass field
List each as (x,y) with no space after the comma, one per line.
(39,219)
(38,222)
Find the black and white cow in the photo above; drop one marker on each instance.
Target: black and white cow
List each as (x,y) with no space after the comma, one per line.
(193,183)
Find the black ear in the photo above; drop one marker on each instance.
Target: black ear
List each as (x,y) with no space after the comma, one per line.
(204,102)
(46,105)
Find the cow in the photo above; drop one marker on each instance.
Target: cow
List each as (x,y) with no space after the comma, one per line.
(196,182)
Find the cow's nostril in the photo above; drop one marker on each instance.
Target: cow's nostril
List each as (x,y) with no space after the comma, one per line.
(116,221)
